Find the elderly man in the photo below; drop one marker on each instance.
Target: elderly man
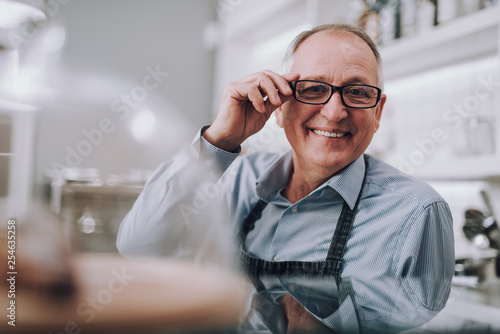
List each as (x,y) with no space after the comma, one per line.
(334,240)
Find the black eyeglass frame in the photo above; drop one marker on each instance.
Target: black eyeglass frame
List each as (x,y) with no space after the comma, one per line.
(340,89)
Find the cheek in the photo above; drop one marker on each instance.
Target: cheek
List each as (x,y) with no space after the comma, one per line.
(287,114)
(371,122)
(365,127)
(297,113)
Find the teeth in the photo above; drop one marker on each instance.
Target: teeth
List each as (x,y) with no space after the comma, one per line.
(328,134)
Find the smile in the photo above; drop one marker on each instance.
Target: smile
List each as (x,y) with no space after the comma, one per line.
(329,134)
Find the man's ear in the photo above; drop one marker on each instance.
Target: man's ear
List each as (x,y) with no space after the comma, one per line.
(379,109)
(278,113)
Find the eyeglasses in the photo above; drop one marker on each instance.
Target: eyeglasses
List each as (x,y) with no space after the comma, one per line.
(352,96)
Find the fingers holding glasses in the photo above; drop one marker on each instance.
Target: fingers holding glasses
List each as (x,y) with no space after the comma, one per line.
(277,89)
(265,90)
(246,105)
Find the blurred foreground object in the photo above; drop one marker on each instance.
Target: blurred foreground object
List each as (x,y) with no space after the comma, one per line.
(134,296)
(15,12)
(57,292)
(33,248)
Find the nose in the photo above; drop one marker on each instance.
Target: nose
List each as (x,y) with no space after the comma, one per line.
(334,110)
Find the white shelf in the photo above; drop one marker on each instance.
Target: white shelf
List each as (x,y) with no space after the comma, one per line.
(460,41)
(462,168)
(464,38)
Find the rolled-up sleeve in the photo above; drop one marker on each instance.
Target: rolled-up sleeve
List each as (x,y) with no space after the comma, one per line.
(175,198)
(423,267)
(427,258)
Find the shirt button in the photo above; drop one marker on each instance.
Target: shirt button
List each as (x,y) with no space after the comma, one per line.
(291,287)
(295,209)
(276,258)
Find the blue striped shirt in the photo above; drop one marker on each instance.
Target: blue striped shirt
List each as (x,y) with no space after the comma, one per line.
(399,256)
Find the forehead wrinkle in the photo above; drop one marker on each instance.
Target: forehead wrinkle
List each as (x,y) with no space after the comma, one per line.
(338,77)
(361,75)
(339,55)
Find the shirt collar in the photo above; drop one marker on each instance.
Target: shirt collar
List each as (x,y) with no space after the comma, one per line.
(347,183)
(275,177)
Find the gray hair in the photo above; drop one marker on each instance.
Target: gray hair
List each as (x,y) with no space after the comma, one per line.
(333,28)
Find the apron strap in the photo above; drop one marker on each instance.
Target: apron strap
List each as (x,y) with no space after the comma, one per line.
(249,222)
(340,237)
(342,231)
(254,267)
(339,240)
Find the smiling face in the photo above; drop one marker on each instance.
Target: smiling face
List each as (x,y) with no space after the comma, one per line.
(326,138)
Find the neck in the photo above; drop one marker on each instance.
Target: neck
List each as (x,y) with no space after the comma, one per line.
(297,189)
(302,181)
(304,178)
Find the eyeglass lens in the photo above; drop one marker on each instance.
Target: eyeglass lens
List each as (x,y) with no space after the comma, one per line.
(356,96)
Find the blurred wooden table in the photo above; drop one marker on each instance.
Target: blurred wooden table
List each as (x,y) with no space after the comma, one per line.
(136,295)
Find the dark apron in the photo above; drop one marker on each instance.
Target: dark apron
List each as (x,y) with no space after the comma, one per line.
(256,268)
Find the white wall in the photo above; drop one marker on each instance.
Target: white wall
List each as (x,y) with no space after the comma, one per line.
(111,47)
